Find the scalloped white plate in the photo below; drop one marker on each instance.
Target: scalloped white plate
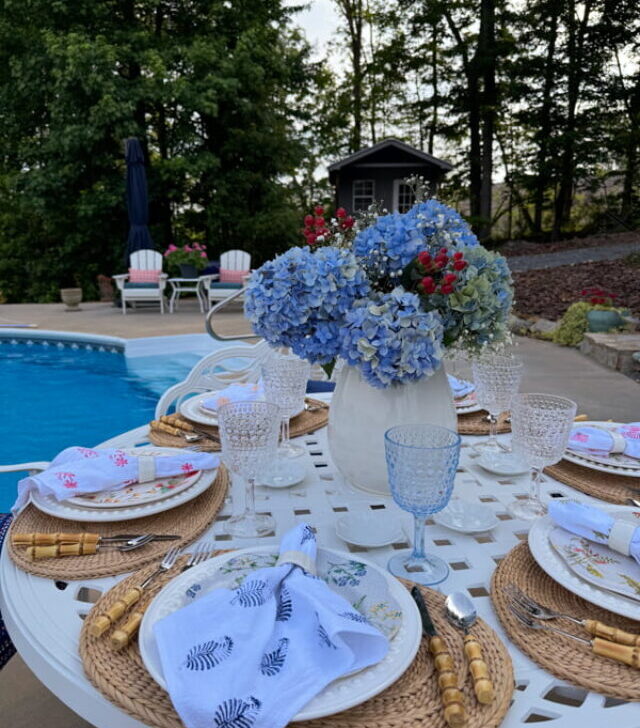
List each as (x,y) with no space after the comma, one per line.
(73,512)
(341,694)
(551,562)
(192,409)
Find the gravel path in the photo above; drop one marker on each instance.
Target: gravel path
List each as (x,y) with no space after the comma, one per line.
(519,263)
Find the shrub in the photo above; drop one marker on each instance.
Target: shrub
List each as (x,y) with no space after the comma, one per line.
(573,325)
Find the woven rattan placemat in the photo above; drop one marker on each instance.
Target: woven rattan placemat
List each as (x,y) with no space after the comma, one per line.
(605,486)
(561,656)
(414,700)
(188,520)
(305,423)
(476,423)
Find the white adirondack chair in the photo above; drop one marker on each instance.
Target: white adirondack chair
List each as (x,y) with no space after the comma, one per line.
(133,292)
(215,371)
(211,289)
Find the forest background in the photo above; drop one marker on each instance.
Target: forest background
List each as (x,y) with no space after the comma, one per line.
(536,104)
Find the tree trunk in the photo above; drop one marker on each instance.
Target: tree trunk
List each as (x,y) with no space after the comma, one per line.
(435,97)
(487,48)
(542,180)
(353,12)
(631,153)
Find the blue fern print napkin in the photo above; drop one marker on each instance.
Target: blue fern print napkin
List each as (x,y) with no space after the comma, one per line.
(460,387)
(252,657)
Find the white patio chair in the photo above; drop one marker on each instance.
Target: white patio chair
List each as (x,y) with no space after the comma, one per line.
(212,289)
(149,260)
(216,371)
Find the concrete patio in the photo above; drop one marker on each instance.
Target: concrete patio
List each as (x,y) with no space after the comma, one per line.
(601,393)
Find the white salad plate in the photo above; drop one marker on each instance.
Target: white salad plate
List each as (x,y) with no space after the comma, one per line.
(553,564)
(369,531)
(193,409)
(400,619)
(466,517)
(617,463)
(291,473)
(504,463)
(73,510)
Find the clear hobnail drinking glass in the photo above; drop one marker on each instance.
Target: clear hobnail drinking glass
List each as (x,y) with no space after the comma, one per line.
(497,378)
(249,438)
(540,425)
(285,383)
(421,463)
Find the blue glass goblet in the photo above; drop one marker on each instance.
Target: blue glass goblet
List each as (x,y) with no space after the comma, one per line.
(421,461)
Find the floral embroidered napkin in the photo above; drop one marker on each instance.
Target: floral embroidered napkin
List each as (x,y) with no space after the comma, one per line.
(624,439)
(239,392)
(255,655)
(81,470)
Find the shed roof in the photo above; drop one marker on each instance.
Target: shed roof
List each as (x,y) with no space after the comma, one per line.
(390,142)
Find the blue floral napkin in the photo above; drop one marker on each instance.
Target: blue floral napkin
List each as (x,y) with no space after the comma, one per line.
(252,657)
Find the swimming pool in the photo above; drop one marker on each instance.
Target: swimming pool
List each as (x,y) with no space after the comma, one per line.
(56,394)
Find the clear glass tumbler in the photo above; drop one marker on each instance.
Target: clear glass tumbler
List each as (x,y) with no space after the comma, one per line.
(540,425)
(249,439)
(421,463)
(285,383)
(497,379)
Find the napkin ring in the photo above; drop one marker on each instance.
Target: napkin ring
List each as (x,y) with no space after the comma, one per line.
(619,443)
(620,536)
(146,468)
(298,558)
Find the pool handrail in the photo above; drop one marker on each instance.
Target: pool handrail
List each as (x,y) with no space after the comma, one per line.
(218,307)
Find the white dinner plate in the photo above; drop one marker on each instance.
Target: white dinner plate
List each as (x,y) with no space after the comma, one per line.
(617,463)
(73,512)
(466,517)
(192,409)
(552,563)
(339,695)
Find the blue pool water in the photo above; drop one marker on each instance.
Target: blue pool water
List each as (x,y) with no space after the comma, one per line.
(53,397)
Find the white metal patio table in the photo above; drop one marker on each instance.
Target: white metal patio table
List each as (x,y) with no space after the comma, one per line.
(184,285)
(44,617)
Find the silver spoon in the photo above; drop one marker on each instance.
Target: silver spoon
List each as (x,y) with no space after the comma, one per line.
(462,614)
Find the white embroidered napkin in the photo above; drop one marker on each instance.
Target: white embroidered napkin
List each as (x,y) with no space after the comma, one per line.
(80,470)
(624,439)
(621,535)
(460,387)
(254,656)
(239,392)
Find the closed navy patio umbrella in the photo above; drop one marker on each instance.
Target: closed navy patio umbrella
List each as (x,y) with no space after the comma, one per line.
(137,199)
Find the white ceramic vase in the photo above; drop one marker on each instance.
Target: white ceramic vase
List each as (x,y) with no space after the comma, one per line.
(360,415)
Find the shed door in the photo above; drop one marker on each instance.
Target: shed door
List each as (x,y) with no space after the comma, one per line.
(402,196)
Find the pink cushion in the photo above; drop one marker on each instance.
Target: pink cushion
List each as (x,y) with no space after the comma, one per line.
(144,276)
(232,276)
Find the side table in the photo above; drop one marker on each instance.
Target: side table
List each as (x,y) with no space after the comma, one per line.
(184,285)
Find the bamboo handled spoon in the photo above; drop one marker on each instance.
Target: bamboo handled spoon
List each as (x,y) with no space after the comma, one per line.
(462,614)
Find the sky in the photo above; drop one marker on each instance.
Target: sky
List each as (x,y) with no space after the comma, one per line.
(319,21)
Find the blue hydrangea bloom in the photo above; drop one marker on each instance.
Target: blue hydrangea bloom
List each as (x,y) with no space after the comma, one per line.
(391,339)
(387,246)
(439,225)
(299,299)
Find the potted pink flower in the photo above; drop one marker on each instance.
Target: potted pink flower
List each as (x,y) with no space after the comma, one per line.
(189,259)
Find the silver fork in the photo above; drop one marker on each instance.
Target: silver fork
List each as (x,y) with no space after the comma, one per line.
(595,628)
(614,651)
(201,553)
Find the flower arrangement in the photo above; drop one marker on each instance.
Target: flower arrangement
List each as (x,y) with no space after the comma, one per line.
(390,301)
(194,254)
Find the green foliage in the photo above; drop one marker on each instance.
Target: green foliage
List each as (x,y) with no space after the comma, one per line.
(212,90)
(573,325)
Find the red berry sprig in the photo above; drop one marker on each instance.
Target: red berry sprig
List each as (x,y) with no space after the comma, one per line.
(315,226)
(439,268)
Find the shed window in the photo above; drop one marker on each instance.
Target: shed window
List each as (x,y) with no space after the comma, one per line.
(363,194)
(403,196)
